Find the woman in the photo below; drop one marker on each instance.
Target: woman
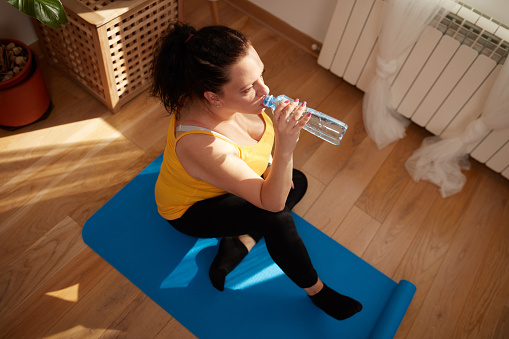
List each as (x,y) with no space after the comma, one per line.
(215,179)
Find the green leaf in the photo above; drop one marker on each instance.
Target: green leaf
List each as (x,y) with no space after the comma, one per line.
(49,12)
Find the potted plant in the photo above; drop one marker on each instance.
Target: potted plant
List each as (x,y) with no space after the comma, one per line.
(24,98)
(49,12)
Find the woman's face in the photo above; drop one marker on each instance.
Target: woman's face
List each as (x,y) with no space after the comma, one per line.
(245,91)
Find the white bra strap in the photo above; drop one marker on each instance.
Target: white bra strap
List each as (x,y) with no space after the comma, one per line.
(189,128)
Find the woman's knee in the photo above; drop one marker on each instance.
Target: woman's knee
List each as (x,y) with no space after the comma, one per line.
(280,222)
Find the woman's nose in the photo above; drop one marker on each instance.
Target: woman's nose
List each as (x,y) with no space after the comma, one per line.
(264,89)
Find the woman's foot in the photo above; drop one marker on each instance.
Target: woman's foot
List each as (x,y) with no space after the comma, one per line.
(231,252)
(333,303)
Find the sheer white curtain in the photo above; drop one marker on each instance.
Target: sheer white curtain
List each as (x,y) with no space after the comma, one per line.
(404,20)
(440,161)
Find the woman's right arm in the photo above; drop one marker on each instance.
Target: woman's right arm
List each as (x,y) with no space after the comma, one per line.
(287,127)
(216,162)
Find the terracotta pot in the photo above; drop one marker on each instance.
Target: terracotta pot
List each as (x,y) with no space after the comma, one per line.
(24,99)
(24,72)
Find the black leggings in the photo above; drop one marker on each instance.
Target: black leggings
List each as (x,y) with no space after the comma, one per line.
(229,215)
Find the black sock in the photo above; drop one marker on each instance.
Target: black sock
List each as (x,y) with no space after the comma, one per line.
(230,254)
(336,305)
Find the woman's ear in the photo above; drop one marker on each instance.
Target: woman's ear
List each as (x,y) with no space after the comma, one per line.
(213,98)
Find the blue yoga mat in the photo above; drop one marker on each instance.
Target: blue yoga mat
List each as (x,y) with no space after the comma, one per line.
(259,301)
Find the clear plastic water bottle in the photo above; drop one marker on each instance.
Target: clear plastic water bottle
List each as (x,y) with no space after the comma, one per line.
(321,125)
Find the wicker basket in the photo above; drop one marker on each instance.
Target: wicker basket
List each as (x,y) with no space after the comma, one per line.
(107,45)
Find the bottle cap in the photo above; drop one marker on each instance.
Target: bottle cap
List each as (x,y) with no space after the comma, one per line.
(267,100)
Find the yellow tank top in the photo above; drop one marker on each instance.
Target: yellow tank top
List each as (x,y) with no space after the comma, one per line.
(176,190)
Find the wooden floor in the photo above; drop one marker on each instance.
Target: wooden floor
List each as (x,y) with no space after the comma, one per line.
(55,174)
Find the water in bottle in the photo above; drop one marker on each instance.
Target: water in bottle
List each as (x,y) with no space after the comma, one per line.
(321,125)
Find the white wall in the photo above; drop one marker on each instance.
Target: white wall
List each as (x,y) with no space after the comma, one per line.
(497,9)
(15,25)
(311,17)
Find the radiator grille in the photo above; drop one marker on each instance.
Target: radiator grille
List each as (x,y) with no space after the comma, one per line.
(477,37)
(443,80)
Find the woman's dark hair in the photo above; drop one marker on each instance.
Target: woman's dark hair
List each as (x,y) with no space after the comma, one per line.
(189,62)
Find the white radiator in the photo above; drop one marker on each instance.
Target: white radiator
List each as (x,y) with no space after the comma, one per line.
(443,80)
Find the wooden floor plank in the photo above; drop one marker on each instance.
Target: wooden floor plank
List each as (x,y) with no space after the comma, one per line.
(33,267)
(315,189)
(174,329)
(395,236)
(56,191)
(127,325)
(357,230)
(142,111)
(502,331)
(436,231)
(325,160)
(485,311)
(44,307)
(23,155)
(454,281)
(96,311)
(384,190)
(353,178)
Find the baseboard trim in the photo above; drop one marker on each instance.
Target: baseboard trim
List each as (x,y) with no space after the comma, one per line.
(269,20)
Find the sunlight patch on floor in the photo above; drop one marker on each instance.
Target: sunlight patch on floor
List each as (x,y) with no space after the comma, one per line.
(80,331)
(87,135)
(268,273)
(56,136)
(256,268)
(70,293)
(186,270)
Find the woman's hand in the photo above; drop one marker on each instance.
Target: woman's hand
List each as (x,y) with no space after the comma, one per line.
(288,123)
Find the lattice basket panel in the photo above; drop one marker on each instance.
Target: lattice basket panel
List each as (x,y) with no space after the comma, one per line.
(71,49)
(107,45)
